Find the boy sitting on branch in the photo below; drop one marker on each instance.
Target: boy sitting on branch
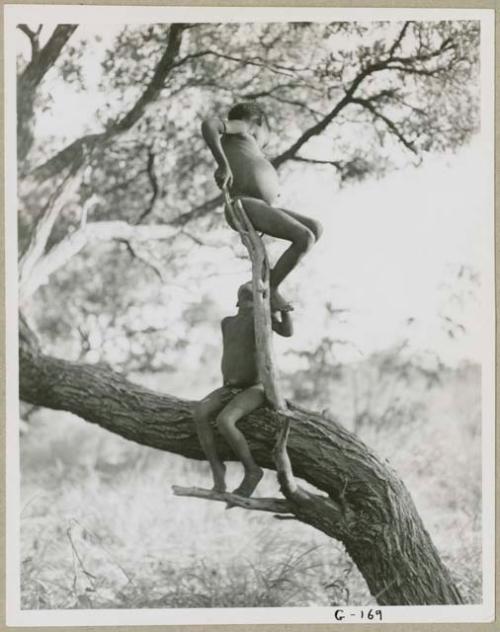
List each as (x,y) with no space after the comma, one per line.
(241,382)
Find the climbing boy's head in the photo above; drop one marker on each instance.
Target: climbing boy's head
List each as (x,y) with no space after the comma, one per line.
(245,295)
(256,118)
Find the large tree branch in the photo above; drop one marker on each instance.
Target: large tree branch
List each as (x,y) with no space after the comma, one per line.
(43,59)
(364,504)
(41,62)
(74,152)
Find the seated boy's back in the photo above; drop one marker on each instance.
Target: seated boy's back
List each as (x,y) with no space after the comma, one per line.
(239,357)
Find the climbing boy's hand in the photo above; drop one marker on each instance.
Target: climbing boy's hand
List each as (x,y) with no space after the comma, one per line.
(223,176)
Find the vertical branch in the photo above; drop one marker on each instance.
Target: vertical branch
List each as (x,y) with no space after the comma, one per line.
(263,340)
(262,306)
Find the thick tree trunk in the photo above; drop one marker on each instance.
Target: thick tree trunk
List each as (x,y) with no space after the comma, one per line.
(364,504)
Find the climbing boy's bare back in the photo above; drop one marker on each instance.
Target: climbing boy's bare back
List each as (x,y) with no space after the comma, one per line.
(249,176)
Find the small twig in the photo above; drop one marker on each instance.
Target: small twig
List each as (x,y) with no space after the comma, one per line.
(399,39)
(283,465)
(274,505)
(388,122)
(147,262)
(110,555)
(201,242)
(314,161)
(89,204)
(76,556)
(150,170)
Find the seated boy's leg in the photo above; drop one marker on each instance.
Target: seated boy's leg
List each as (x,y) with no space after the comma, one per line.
(205,410)
(243,404)
(279,223)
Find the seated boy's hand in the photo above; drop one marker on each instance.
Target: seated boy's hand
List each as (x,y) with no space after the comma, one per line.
(223,176)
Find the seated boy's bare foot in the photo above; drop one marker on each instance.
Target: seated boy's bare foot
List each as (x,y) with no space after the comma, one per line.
(278,303)
(249,483)
(219,475)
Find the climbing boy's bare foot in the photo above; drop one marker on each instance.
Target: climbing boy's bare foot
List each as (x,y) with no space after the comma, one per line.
(219,475)
(278,303)
(249,483)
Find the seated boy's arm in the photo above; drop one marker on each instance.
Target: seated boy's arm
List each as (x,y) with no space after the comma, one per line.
(283,327)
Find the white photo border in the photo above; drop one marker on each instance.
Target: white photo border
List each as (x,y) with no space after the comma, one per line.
(113,14)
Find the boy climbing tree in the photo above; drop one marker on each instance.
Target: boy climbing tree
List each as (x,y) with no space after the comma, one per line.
(245,172)
(242,387)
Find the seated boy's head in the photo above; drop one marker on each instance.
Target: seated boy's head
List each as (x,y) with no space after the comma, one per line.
(254,116)
(245,295)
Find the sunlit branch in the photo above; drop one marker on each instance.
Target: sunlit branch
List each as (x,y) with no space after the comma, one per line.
(91,233)
(43,228)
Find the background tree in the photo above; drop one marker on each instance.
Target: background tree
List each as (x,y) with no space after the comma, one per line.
(127,199)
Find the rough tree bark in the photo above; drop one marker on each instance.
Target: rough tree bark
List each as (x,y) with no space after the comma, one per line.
(361,502)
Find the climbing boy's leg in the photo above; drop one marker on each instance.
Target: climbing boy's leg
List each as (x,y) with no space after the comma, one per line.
(281,224)
(206,409)
(309,222)
(243,404)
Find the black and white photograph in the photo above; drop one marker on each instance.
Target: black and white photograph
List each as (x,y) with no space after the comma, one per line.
(250,315)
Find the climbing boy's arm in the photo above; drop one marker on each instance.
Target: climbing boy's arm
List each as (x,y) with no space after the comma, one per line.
(283,327)
(212,129)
